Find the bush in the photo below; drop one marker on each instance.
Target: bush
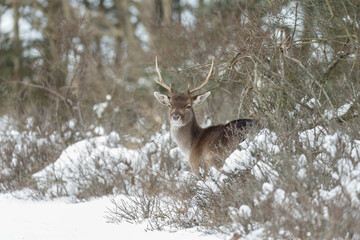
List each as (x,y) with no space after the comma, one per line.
(23,153)
(299,191)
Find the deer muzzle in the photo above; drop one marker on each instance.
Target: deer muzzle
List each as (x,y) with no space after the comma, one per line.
(176,117)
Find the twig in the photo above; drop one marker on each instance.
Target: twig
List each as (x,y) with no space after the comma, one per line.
(330,8)
(58,95)
(295,24)
(282,53)
(340,56)
(301,65)
(311,76)
(43,88)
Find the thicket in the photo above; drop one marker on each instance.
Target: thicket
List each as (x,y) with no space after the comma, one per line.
(292,65)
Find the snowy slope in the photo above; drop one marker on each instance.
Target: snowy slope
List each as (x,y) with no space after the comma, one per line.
(58,220)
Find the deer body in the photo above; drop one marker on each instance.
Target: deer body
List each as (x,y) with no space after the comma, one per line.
(207,147)
(204,147)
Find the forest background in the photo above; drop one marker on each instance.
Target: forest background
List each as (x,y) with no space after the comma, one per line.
(76,69)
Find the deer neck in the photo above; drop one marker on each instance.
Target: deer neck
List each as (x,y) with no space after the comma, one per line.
(185,135)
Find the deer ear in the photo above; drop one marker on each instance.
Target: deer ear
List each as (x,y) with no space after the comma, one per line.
(200,98)
(162,98)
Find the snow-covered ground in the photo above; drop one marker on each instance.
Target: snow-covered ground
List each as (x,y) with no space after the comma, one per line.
(62,218)
(59,220)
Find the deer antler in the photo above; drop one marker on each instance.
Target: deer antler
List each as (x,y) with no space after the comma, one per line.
(204,83)
(161,82)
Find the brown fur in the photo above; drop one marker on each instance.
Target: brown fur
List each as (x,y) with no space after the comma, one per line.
(205,147)
(212,144)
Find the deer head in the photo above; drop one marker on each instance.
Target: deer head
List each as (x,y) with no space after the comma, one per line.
(181,105)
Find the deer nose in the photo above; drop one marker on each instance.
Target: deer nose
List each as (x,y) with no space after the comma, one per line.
(176,117)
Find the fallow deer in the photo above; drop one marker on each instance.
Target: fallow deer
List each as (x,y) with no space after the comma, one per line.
(204,147)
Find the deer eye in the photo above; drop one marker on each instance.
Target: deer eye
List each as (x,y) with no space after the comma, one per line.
(188,106)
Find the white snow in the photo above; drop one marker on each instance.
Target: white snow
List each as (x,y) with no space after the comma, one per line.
(245,211)
(63,219)
(267,188)
(58,220)
(99,108)
(279,196)
(95,156)
(312,137)
(264,143)
(340,112)
(72,124)
(4,123)
(257,234)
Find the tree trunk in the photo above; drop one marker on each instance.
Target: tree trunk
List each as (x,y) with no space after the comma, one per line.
(167,11)
(17,43)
